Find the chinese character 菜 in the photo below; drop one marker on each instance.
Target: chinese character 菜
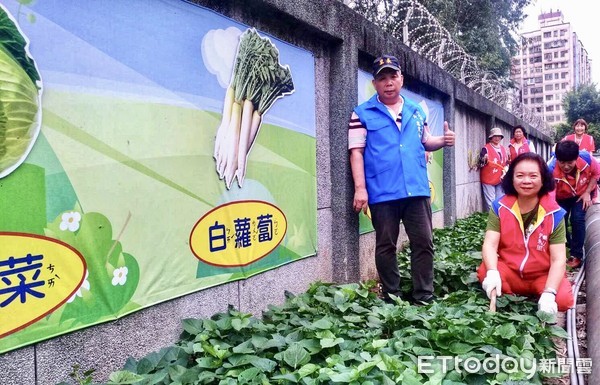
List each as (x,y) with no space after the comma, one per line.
(14,274)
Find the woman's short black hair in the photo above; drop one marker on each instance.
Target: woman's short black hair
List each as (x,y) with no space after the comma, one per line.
(547,179)
(517,127)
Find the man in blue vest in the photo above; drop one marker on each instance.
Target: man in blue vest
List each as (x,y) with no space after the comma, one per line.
(387,139)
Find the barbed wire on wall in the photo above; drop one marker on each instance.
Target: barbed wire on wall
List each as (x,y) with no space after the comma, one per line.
(412,23)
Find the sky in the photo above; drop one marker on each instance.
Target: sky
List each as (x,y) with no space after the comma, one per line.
(583,21)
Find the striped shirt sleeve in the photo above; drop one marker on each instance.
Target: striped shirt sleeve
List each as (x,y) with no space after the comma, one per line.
(357,133)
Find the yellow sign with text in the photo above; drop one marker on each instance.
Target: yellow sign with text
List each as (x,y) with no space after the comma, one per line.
(37,275)
(238,233)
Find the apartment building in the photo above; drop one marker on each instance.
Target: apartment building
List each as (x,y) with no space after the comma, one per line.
(551,62)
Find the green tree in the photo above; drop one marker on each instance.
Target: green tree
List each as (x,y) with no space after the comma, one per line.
(562,129)
(582,103)
(484,28)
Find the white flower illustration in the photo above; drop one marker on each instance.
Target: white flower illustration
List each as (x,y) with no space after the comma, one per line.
(85,285)
(70,221)
(120,276)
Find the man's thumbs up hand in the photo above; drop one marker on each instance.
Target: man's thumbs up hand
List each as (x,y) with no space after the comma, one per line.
(448,135)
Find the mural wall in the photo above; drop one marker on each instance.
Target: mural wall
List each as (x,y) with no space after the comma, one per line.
(148,149)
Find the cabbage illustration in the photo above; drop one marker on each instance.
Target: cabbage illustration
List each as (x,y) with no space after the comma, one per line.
(20,96)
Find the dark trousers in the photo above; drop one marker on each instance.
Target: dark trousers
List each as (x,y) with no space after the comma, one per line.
(415,214)
(576,214)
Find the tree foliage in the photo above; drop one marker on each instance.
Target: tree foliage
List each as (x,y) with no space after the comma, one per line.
(582,103)
(484,28)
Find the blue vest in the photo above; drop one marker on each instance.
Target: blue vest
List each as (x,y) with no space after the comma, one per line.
(395,164)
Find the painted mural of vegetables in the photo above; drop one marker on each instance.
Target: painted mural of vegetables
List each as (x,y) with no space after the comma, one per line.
(113,274)
(20,115)
(258,81)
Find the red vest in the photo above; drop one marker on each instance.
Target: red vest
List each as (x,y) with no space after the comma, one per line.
(564,189)
(514,152)
(528,255)
(587,142)
(492,172)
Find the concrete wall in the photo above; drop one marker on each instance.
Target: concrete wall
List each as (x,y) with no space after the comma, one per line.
(341,43)
(592,270)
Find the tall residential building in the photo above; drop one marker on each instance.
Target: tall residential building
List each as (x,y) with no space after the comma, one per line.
(552,61)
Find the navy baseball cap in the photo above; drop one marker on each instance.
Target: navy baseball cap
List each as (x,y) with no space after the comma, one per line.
(385,61)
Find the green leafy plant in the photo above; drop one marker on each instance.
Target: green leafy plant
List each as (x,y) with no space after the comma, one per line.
(345,334)
(80,376)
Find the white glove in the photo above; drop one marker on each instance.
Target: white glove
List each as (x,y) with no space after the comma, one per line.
(492,281)
(547,303)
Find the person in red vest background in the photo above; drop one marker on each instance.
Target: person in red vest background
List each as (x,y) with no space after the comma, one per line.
(576,174)
(519,143)
(580,136)
(493,161)
(524,250)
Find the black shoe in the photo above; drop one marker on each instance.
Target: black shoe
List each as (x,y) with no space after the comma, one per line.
(425,300)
